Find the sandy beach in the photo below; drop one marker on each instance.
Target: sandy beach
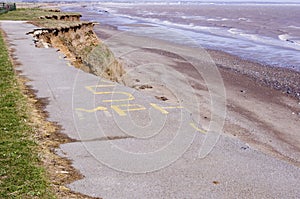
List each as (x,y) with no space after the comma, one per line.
(259,112)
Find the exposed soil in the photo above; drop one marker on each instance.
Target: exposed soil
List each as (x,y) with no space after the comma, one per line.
(81,46)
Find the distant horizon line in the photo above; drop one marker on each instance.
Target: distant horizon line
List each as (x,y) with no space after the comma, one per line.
(175,1)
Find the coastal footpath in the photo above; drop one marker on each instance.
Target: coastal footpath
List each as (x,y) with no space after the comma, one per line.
(128,144)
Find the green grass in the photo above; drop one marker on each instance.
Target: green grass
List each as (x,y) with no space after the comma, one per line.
(21,173)
(27,14)
(33,15)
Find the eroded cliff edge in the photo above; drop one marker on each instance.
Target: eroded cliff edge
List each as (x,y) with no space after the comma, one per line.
(79,43)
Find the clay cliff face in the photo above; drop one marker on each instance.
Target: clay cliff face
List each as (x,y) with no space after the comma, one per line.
(82,47)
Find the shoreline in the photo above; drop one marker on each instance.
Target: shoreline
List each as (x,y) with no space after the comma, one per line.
(240,30)
(282,79)
(278,78)
(257,114)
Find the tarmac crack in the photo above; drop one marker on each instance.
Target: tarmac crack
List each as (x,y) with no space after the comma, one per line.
(108,138)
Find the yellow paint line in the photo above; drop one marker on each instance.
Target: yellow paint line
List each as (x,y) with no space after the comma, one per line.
(99,108)
(93,88)
(129,96)
(162,109)
(197,129)
(122,112)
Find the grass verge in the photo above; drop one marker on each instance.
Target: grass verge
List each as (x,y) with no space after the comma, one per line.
(21,171)
(31,14)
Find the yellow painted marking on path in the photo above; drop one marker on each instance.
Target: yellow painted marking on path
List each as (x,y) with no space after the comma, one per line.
(162,109)
(99,108)
(129,96)
(122,112)
(198,129)
(93,89)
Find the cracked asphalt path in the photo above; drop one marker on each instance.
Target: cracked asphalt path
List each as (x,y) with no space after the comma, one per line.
(121,134)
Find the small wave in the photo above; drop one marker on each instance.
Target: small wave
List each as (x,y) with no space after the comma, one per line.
(224,19)
(194,17)
(235,31)
(297,42)
(157,21)
(212,20)
(217,19)
(295,27)
(292,40)
(243,19)
(283,37)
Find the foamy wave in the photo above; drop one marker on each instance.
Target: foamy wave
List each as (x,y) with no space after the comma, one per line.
(242,35)
(295,27)
(194,17)
(192,26)
(218,31)
(157,21)
(217,19)
(212,20)
(244,19)
(235,31)
(288,41)
(297,42)
(292,40)
(283,37)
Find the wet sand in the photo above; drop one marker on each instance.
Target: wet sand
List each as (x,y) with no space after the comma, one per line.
(259,110)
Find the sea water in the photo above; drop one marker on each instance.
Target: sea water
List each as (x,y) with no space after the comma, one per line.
(265,32)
